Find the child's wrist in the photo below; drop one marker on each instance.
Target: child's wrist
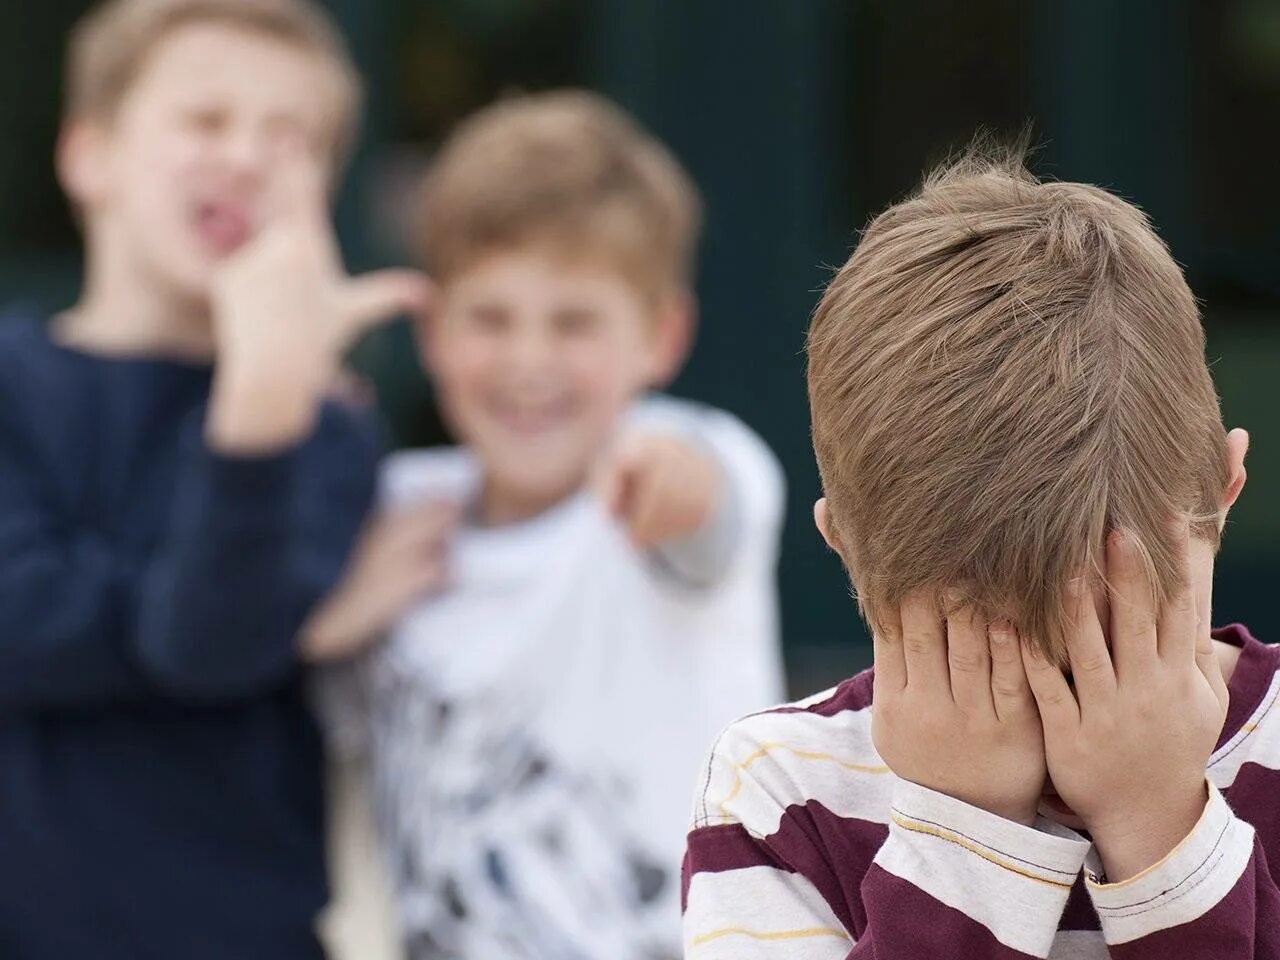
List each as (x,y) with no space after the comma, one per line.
(1147,831)
(256,414)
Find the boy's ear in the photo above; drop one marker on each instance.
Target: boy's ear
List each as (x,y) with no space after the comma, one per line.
(675,325)
(823,522)
(1237,448)
(80,161)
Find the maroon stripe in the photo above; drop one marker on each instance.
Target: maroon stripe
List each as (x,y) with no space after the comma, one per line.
(1244,924)
(1079,914)
(832,852)
(1252,677)
(907,922)
(722,848)
(851,694)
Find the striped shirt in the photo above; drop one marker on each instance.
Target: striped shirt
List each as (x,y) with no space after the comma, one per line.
(805,845)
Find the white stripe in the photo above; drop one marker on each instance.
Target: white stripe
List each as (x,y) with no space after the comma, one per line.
(1014,880)
(1257,741)
(764,761)
(760,912)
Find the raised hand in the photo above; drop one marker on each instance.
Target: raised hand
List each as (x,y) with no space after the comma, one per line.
(401,559)
(953,711)
(285,312)
(1127,748)
(661,487)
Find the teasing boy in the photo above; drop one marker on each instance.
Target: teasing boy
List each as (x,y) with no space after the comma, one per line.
(604,586)
(1026,476)
(176,493)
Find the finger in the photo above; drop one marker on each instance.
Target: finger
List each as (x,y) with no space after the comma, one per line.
(619,477)
(1134,643)
(890,674)
(1095,676)
(1179,625)
(1052,694)
(924,644)
(647,501)
(1010,692)
(968,656)
(299,191)
(377,297)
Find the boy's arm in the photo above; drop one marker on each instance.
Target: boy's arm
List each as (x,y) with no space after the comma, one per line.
(254,546)
(1213,896)
(695,487)
(1127,747)
(951,880)
(66,598)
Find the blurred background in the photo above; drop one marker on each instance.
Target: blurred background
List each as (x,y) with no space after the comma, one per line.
(799,119)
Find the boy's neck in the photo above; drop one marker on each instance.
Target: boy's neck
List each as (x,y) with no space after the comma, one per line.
(500,505)
(124,313)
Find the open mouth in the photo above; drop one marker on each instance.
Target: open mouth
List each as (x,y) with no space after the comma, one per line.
(222,227)
(532,418)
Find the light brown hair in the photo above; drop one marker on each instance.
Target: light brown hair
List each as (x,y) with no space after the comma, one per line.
(109,46)
(567,170)
(1004,371)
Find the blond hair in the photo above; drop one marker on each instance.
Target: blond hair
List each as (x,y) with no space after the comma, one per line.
(1004,371)
(568,170)
(109,46)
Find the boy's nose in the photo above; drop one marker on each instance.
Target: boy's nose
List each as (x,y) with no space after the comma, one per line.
(531,352)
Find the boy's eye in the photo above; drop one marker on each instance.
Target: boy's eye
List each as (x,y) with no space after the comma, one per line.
(206,119)
(576,322)
(488,319)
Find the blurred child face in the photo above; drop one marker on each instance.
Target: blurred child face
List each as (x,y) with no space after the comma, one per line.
(183,175)
(535,360)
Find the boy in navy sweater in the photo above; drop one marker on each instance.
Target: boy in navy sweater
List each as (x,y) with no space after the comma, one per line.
(176,493)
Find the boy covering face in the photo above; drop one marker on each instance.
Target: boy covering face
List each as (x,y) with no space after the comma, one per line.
(1026,476)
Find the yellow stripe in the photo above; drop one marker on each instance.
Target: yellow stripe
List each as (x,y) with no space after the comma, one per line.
(960,841)
(768,748)
(769,934)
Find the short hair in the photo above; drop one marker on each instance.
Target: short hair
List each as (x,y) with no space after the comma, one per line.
(565,169)
(1003,372)
(109,46)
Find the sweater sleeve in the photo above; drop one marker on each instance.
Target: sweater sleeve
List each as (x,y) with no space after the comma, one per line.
(951,881)
(66,598)
(1213,896)
(254,543)
(250,546)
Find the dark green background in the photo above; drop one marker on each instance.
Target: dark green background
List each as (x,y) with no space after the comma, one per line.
(799,119)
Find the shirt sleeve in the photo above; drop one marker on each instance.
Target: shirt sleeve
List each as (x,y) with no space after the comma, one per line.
(1213,896)
(951,881)
(250,546)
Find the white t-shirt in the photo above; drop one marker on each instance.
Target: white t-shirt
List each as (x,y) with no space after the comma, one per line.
(535,731)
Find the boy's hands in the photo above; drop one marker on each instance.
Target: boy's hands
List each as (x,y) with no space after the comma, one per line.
(953,711)
(1127,751)
(661,487)
(400,559)
(285,312)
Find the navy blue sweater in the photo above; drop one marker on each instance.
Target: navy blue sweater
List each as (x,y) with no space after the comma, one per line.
(160,773)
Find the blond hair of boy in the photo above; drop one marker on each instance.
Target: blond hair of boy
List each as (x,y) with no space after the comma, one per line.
(109,47)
